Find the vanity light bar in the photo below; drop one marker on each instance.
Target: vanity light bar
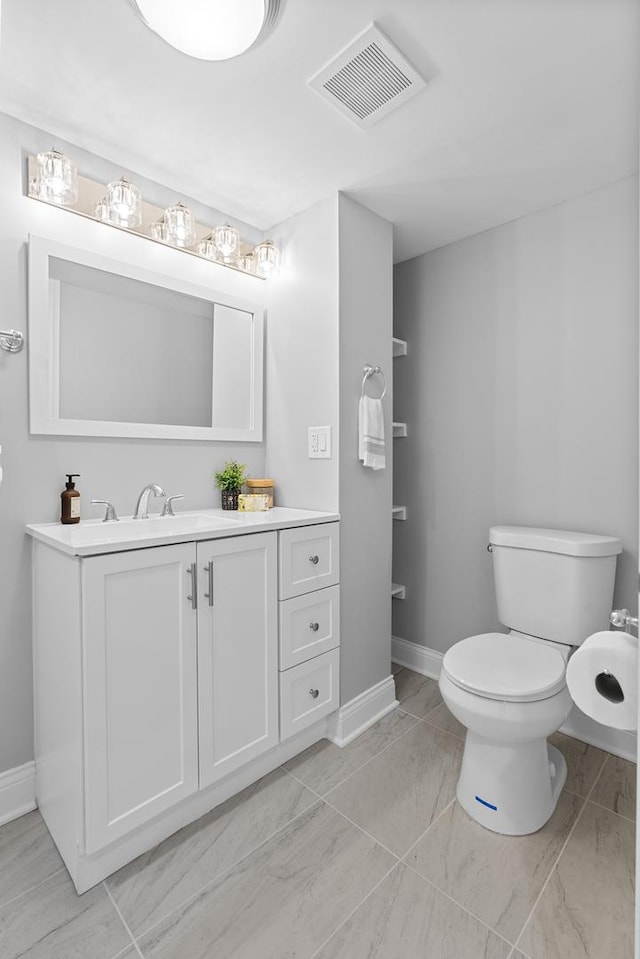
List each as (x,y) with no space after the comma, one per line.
(175,226)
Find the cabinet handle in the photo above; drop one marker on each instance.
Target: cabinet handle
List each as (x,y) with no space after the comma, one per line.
(314,626)
(209,569)
(314,693)
(193,573)
(314,560)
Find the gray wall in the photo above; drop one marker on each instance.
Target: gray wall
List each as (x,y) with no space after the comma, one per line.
(34,466)
(366,307)
(521,394)
(302,357)
(329,313)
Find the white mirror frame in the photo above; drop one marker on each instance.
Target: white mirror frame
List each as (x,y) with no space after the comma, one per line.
(44,350)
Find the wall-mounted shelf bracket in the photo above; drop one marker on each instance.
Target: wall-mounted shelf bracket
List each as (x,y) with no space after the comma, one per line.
(399,347)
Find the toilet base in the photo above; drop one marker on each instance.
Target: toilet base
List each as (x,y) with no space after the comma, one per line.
(510,788)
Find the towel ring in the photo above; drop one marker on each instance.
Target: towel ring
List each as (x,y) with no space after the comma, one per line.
(371,371)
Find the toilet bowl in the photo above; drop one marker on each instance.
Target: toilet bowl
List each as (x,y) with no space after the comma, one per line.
(553,588)
(510,693)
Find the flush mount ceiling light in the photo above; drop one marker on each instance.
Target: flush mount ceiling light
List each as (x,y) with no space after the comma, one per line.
(210,29)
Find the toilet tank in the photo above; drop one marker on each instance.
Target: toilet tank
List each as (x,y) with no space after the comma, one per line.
(553,583)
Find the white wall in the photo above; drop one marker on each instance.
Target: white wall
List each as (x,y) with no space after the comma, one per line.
(520,390)
(366,310)
(34,466)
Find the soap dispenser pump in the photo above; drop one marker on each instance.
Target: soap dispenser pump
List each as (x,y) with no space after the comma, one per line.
(70,499)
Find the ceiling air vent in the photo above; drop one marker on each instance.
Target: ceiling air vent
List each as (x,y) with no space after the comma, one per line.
(369,79)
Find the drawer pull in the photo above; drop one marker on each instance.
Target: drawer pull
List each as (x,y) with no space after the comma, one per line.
(314,559)
(314,693)
(314,626)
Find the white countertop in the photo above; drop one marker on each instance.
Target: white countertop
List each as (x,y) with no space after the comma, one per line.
(93,537)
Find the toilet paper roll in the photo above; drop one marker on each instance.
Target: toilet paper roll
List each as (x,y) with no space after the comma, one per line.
(602,676)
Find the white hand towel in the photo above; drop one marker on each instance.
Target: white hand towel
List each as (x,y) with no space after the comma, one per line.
(371,449)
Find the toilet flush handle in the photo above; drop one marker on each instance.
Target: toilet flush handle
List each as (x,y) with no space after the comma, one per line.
(623,619)
(489,548)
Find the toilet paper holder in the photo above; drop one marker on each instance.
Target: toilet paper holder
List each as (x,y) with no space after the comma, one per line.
(622,619)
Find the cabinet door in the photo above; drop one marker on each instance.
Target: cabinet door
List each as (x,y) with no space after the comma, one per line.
(237,651)
(139,639)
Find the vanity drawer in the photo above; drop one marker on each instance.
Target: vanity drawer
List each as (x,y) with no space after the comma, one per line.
(309,559)
(309,626)
(308,692)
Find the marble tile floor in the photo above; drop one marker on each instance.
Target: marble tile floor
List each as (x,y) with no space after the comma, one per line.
(355,853)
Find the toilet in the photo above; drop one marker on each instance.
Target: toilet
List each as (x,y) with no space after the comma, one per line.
(553,589)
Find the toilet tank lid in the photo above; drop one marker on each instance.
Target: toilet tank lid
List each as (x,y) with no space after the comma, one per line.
(554,541)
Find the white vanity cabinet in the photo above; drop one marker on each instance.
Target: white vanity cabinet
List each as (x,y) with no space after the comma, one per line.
(159,687)
(237,652)
(139,678)
(180,674)
(309,626)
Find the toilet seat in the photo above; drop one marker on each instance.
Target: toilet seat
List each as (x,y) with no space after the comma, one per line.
(505,667)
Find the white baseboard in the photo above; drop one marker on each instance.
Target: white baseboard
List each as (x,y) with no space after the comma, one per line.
(17,792)
(416,657)
(617,741)
(363,711)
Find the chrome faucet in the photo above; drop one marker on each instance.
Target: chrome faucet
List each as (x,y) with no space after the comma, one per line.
(142,505)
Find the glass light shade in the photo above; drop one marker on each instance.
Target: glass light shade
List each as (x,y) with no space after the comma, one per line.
(267,258)
(247,262)
(101,210)
(227,240)
(158,230)
(124,202)
(209,29)
(180,226)
(207,247)
(56,178)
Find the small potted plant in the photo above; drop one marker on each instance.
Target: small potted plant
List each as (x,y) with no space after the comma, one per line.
(229,481)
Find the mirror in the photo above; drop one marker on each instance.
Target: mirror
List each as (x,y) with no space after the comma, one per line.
(116,350)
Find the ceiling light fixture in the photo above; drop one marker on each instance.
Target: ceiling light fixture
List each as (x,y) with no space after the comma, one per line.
(210,29)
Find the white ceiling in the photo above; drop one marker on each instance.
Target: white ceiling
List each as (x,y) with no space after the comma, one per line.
(529,102)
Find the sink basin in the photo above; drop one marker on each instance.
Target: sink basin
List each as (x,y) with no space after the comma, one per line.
(168,525)
(132,533)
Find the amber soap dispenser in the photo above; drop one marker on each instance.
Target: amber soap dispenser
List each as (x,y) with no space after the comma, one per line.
(70,500)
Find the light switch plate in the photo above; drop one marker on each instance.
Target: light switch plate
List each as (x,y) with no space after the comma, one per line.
(319,442)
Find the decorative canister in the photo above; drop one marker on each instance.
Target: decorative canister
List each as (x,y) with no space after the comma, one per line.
(229,498)
(263,486)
